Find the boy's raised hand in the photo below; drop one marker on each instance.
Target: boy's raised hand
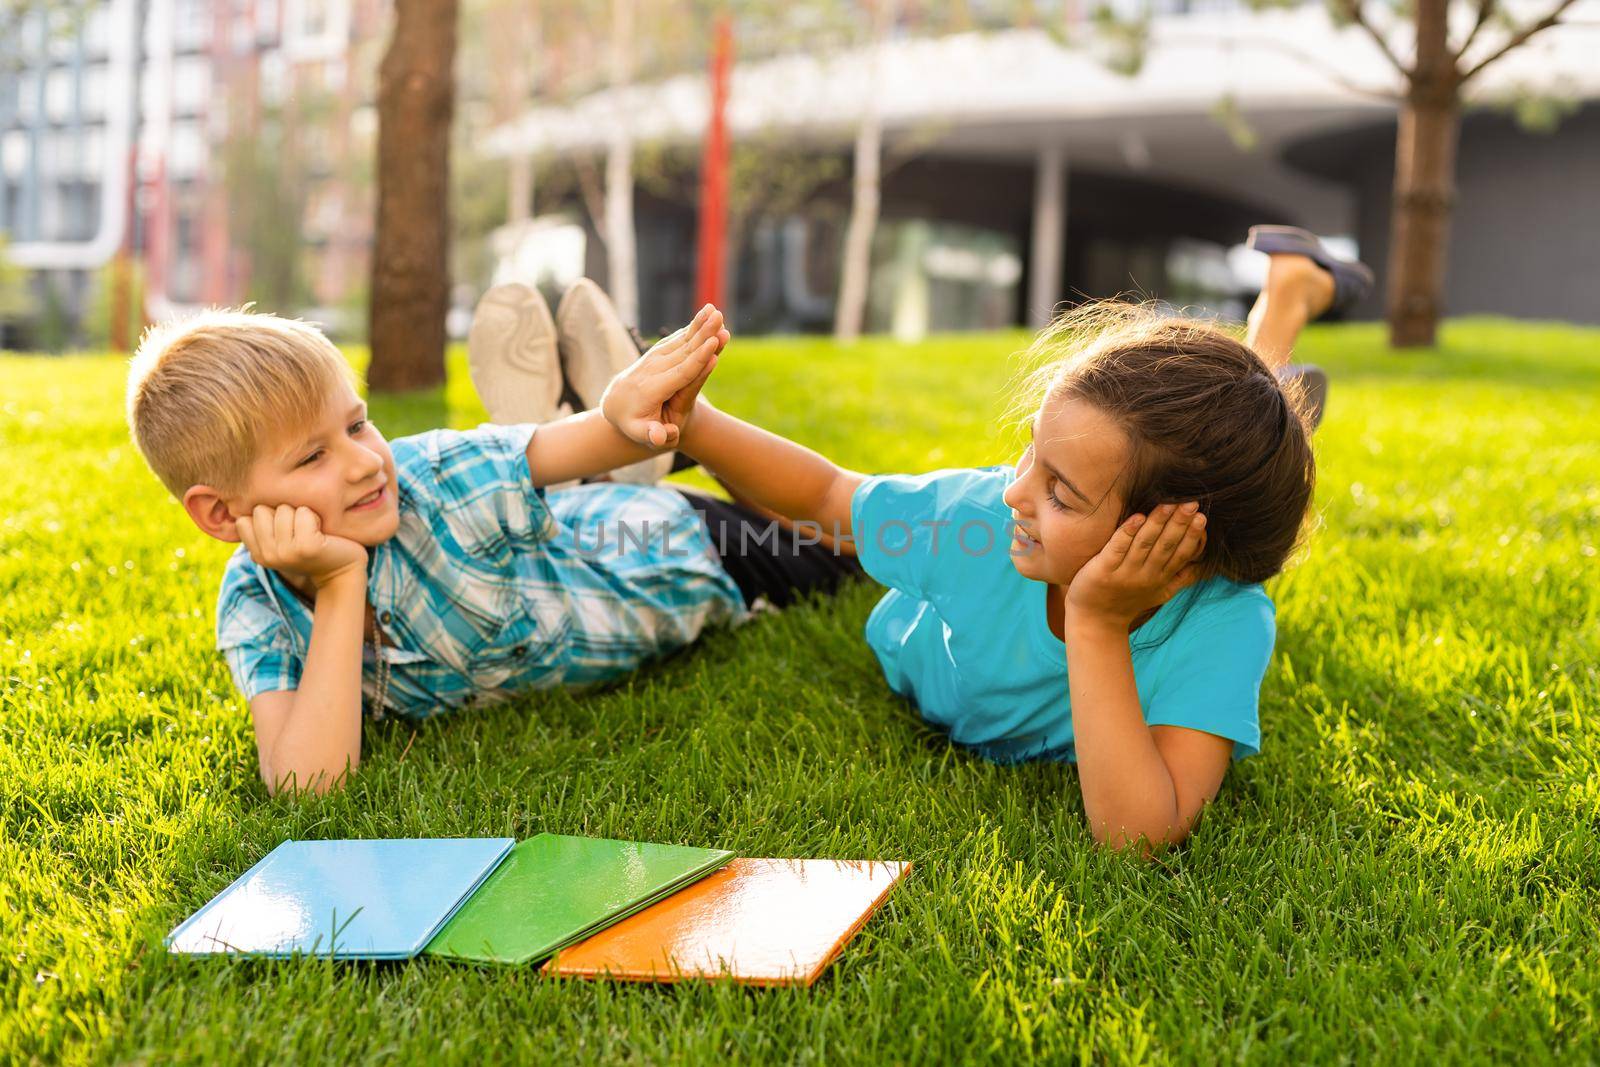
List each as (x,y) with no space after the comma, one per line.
(652,400)
(1146,563)
(289,538)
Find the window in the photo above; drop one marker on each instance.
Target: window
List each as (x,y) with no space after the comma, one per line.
(92,92)
(14,153)
(314,29)
(274,77)
(96,34)
(27,97)
(92,152)
(80,210)
(266,20)
(191,84)
(191,25)
(186,156)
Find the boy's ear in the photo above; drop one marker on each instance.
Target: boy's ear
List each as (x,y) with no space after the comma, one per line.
(210,512)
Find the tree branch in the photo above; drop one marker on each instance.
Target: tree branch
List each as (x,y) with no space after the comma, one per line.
(1485,9)
(589,186)
(1521,36)
(1299,55)
(1351,9)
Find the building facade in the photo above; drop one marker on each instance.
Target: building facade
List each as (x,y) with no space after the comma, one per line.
(1022,171)
(222,147)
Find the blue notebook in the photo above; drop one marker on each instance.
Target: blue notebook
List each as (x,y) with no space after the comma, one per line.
(379,900)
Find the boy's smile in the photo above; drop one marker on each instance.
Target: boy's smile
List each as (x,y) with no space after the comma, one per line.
(338,465)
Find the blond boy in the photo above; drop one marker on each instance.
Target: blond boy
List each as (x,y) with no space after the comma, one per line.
(431,572)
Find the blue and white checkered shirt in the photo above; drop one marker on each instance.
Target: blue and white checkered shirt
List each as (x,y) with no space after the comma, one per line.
(491,587)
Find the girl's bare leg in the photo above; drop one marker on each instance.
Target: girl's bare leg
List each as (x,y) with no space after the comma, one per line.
(1296,292)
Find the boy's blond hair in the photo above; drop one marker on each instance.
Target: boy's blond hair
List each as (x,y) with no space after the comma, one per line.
(207,393)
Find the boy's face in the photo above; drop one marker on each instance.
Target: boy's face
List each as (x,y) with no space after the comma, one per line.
(1065,501)
(329,464)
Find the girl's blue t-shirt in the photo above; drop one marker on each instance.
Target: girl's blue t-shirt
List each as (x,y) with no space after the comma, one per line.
(966,637)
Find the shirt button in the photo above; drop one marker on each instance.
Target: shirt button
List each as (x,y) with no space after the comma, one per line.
(384,618)
(520,651)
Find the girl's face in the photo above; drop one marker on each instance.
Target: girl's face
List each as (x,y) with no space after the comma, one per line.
(1065,500)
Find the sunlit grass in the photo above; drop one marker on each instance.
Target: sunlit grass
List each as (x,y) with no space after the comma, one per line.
(1410,869)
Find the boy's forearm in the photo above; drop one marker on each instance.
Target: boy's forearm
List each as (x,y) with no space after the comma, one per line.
(769,470)
(320,740)
(580,446)
(1128,791)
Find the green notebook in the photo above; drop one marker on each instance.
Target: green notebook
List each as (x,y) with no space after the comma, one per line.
(552,891)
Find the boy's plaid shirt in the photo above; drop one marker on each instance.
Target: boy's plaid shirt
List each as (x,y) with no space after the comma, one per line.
(491,587)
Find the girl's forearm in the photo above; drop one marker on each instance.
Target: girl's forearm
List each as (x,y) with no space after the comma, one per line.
(771,471)
(1128,792)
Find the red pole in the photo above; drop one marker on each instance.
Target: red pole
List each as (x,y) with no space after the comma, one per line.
(714,174)
(121,282)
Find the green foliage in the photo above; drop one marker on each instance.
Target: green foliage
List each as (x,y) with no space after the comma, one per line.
(96,325)
(1406,873)
(14,299)
(1124,40)
(478,193)
(266,179)
(768,174)
(1225,113)
(52,324)
(1538,110)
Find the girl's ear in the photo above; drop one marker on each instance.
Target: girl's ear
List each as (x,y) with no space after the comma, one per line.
(207,510)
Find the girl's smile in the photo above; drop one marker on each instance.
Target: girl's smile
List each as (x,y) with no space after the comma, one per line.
(1063,501)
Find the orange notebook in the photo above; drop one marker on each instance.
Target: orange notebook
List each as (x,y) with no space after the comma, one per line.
(760,921)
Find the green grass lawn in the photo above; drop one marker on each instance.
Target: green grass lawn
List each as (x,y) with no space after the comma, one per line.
(1409,869)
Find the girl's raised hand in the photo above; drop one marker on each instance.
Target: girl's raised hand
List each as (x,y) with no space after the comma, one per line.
(1146,563)
(651,401)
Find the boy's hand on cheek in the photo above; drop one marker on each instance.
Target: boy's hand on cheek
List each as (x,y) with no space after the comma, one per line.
(651,401)
(289,538)
(1146,563)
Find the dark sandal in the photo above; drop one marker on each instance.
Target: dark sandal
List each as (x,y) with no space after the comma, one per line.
(1352,280)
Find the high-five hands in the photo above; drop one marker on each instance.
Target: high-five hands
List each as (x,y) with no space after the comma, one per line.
(289,538)
(652,400)
(1146,563)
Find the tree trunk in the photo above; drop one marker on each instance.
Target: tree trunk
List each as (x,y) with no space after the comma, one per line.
(1424,184)
(621,245)
(410,254)
(621,240)
(856,272)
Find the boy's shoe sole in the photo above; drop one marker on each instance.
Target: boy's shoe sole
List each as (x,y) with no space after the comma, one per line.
(1312,382)
(1352,280)
(595,346)
(511,355)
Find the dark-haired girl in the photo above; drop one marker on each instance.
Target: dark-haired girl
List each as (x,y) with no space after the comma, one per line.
(1101,600)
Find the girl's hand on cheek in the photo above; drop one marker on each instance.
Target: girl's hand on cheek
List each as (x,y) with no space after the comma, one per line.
(1146,563)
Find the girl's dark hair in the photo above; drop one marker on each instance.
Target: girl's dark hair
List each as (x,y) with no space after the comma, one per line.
(1206,419)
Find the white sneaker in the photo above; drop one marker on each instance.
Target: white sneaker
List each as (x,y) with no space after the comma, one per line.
(595,347)
(511,355)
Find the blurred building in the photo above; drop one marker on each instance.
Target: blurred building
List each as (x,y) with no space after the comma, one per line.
(222,145)
(1021,171)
